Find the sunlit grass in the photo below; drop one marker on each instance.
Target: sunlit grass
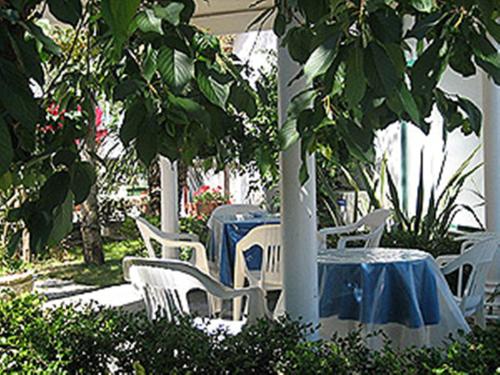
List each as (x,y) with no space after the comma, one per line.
(73,267)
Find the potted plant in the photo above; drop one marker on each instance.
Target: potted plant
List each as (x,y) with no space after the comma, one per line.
(207,199)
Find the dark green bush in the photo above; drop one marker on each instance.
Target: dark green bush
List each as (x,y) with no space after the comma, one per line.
(96,341)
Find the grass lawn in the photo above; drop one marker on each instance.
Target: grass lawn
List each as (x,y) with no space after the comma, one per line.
(73,268)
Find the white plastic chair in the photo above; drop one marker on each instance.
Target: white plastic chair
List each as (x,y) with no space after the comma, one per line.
(165,284)
(374,222)
(469,240)
(227,210)
(269,277)
(479,256)
(150,233)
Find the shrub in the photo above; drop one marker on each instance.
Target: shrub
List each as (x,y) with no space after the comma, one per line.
(94,340)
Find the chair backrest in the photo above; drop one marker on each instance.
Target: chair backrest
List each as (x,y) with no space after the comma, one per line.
(165,284)
(268,238)
(149,232)
(375,219)
(165,290)
(479,256)
(232,209)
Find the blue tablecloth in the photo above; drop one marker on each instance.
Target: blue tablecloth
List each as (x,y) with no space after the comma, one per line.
(232,231)
(379,286)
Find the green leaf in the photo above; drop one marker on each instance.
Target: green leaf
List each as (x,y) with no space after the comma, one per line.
(119,14)
(147,141)
(355,83)
(213,87)
(67,11)
(63,221)
(425,6)
(47,42)
(322,57)
(175,67)
(298,41)
(148,22)
(288,134)
(6,150)
(54,191)
(83,177)
(474,114)
(64,157)
(409,104)
(134,117)
(194,110)
(170,13)
(243,100)
(385,67)
(16,95)
(279,26)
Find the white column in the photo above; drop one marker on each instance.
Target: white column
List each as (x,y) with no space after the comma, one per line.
(491,139)
(298,212)
(169,201)
(491,136)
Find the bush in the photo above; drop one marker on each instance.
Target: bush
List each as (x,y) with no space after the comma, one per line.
(93,340)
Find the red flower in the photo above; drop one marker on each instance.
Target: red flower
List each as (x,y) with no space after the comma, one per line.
(201,190)
(98,116)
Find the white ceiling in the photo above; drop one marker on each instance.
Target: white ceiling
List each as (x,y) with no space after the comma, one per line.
(229,16)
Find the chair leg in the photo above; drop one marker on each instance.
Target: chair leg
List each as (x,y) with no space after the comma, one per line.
(279,309)
(479,317)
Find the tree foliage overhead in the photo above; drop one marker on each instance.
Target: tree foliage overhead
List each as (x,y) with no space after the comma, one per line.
(184,99)
(374,62)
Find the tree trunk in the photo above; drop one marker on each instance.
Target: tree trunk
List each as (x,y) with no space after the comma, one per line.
(90,227)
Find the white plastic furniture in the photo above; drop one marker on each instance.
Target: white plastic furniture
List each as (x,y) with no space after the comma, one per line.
(479,256)
(374,222)
(269,277)
(150,233)
(164,285)
(226,210)
(232,209)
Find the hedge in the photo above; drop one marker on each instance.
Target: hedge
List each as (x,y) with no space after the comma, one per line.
(95,340)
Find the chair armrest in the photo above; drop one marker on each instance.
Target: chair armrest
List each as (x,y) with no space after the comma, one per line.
(360,237)
(449,263)
(338,230)
(184,236)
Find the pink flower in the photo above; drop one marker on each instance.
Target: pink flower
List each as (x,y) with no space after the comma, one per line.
(98,116)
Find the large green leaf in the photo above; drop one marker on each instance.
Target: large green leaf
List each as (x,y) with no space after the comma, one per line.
(68,11)
(355,83)
(175,67)
(83,177)
(322,57)
(119,15)
(170,13)
(243,100)
(409,104)
(385,67)
(288,133)
(148,141)
(63,223)
(54,191)
(6,150)
(194,110)
(474,114)
(134,117)
(215,89)
(16,96)
(148,22)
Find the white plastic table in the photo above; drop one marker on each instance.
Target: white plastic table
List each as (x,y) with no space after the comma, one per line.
(399,291)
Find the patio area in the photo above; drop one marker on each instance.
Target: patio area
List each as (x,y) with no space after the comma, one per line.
(249,187)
